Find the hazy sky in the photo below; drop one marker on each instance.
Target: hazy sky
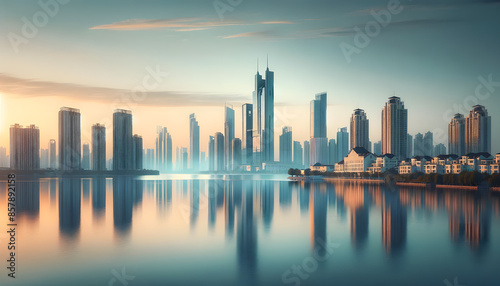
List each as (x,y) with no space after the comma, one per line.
(193,57)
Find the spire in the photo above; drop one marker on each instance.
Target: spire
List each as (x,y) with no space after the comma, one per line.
(267,61)
(257,64)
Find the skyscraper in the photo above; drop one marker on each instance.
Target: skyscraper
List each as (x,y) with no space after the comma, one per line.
(439,149)
(395,128)
(409,147)
(219,152)
(246,133)
(228,134)
(163,145)
(456,135)
(332,152)
(236,156)
(342,143)
(123,145)
(359,129)
(44,158)
(24,147)
(478,130)
(418,145)
(86,156)
(286,145)
(297,153)
(377,148)
(307,153)
(98,147)
(428,144)
(4,160)
(263,118)
(69,139)
(211,153)
(52,154)
(319,141)
(138,152)
(194,143)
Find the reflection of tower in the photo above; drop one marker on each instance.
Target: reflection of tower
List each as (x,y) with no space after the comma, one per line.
(28,198)
(304,198)
(285,194)
(69,206)
(53,191)
(85,189)
(469,219)
(267,198)
(212,204)
(317,213)
(195,202)
(229,208)
(122,203)
(355,197)
(247,237)
(163,194)
(98,197)
(394,223)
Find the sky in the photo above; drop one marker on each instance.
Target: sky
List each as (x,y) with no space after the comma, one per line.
(164,60)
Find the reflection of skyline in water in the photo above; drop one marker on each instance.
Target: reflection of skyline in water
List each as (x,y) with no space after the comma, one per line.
(28,199)
(69,206)
(243,205)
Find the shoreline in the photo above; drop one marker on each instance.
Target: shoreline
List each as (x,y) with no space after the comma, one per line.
(400,184)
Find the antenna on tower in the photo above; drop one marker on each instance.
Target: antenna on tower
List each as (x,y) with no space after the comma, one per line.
(267,60)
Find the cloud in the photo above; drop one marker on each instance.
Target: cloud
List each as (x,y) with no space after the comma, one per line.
(334,31)
(30,88)
(276,22)
(260,34)
(177,24)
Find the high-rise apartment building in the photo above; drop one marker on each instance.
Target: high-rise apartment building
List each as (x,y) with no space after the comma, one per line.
(69,139)
(395,128)
(359,130)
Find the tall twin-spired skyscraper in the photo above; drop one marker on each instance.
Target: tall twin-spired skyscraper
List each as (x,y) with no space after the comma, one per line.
(395,128)
(194,143)
(69,139)
(246,133)
(263,118)
(318,139)
(228,135)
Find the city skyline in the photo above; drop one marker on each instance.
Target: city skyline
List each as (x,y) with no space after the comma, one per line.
(451,75)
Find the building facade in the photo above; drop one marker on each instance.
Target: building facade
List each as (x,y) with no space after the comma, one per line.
(360,136)
(395,128)
(24,147)
(69,139)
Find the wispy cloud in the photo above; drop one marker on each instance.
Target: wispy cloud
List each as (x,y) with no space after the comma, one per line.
(179,24)
(277,22)
(328,32)
(260,34)
(30,88)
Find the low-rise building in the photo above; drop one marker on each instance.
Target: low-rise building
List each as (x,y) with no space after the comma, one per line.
(384,163)
(358,160)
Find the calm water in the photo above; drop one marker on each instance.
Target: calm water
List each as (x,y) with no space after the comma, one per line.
(243,230)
